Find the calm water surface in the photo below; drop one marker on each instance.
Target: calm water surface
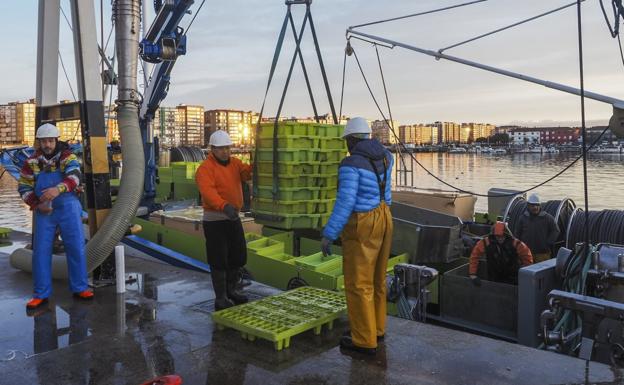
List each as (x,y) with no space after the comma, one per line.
(467,171)
(478,173)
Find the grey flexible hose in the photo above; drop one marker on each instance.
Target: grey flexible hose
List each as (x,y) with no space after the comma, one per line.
(102,244)
(130,190)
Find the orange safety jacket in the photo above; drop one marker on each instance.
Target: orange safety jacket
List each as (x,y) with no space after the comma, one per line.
(220,185)
(525,257)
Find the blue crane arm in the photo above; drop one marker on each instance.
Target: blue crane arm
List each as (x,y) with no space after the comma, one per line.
(164,42)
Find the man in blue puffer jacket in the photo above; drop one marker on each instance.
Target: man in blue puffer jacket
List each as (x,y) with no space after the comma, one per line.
(362,215)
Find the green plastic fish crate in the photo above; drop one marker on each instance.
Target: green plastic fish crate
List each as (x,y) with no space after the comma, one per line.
(319,262)
(291,142)
(289,168)
(287,221)
(250,237)
(280,317)
(327,130)
(329,168)
(290,193)
(165,174)
(288,155)
(286,129)
(265,245)
(266,180)
(328,193)
(326,181)
(292,207)
(329,155)
(279,256)
(283,207)
(4,236)
(333,144)
(183,170)
(324,219)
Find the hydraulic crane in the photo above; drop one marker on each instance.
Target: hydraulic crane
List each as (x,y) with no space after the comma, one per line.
(164,42)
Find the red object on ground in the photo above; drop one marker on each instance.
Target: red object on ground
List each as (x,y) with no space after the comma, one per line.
(36,302)
(171,379)
(87,294)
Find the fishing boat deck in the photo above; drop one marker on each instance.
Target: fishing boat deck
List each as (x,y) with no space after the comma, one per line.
(162,325)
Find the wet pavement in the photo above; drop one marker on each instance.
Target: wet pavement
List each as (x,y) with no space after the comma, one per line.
(162,325)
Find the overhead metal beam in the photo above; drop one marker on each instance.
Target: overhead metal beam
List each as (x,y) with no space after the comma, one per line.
(616,103)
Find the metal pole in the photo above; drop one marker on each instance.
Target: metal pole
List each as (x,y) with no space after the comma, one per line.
(47,54)
(548,84)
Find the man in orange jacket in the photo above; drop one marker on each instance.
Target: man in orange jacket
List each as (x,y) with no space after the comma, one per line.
(504,254)
(219,179)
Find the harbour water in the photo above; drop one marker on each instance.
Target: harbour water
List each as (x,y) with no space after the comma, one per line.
(478,173)
(473,172)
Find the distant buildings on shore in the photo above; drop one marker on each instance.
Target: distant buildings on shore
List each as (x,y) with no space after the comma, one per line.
(192,125)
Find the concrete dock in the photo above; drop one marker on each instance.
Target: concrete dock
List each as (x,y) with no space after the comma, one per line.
(162,325)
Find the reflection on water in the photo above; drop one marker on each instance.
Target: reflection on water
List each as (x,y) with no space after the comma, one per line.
(467,171)
(13,212)
(520,171)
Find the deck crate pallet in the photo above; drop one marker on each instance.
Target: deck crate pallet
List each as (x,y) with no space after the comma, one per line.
(302,191)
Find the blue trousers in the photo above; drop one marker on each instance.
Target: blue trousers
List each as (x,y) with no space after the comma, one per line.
(66,215)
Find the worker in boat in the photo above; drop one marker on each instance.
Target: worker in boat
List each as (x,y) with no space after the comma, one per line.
(538,229)
(362,215)
(504,255)
(49,183)
(219,179)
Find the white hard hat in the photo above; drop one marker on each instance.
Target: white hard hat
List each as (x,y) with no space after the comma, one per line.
(356,126)
(220,138)
(47,130)
(533,199)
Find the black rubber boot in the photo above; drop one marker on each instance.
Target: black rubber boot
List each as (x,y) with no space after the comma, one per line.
(236,296)
(219,285)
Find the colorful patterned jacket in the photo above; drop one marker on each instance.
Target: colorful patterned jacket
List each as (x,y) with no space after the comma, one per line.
(64,160)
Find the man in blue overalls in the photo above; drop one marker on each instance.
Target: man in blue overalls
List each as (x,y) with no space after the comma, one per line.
(48,184)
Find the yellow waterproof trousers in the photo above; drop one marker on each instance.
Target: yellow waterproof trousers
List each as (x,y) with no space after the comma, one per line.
(366,241)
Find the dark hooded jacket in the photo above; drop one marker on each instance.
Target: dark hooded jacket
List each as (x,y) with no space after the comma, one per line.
(539,231)
(359,178)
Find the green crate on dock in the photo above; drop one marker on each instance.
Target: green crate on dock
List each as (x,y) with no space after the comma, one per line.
(329,168)
(328,193)
(326,181)
(289,168)
(283,207)
(292,207)
(265,245)
(329,155)
(163,191)
(183,170)
(332,144)
(290,193)
(185,190)
(287,221)
(250,237)
(278,256)
(319,262)
(286,129)
(291,141)
(278,318)
(327,130)
(286,181)
(288,155)
(165,174)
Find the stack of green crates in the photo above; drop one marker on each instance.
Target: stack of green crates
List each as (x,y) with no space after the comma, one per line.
(308,156)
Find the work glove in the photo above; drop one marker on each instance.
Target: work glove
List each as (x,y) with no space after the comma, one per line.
(231,212)
(325,246)
(475,280)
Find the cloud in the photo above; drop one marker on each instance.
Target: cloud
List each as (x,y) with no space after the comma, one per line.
(231,44)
